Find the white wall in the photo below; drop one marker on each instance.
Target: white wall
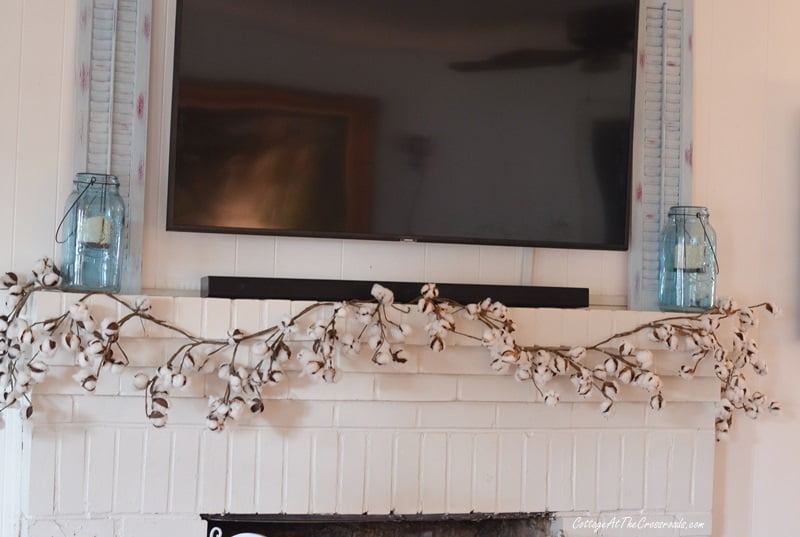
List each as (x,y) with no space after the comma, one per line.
(747,155)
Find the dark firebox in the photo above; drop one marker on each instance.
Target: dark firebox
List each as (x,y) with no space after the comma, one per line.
(466,525)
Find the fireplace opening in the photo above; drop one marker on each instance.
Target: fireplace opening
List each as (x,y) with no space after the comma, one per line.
(436,525)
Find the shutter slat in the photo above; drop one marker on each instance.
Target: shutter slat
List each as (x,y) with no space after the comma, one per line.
(661,171)
(113,45)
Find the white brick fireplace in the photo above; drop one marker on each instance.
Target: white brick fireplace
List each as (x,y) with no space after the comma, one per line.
(443,434)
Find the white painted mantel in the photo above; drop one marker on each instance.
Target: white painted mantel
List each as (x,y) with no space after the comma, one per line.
(441,434)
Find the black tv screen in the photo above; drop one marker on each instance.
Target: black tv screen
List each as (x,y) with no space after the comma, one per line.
(477,121)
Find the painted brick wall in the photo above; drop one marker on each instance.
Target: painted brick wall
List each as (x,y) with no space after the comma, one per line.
(441,434)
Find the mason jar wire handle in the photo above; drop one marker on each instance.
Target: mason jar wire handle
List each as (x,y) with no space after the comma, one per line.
(710,244)
(91,182)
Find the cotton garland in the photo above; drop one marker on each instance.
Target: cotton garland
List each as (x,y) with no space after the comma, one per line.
(95,344)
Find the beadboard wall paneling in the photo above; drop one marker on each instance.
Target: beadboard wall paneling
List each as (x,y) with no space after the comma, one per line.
(38,38)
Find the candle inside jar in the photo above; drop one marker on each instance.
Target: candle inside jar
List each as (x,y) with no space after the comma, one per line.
(690,257)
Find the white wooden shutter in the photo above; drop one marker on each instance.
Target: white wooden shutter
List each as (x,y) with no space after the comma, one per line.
(662,141)
(113,66)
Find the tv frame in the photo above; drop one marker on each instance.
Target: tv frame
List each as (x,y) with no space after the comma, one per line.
(171,225)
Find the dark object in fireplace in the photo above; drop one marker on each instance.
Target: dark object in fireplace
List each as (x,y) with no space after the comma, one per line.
(437,525)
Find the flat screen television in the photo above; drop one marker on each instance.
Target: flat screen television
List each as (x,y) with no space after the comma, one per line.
(465,121)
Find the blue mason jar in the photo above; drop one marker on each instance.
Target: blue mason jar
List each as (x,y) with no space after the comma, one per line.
(688,258)
(92,234)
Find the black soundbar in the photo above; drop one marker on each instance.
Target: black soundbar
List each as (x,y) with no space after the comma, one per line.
(519,296)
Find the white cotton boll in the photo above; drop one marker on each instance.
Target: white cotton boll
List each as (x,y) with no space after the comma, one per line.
(773,309)
(645,359)
(382,358)
(774,408)
(599,372)
(140,381)
(313,367)
(523,373)
(577,353)
(399,355)
(724,409)
(12,301)
(329,375)
(721,371)
(374,342)
(26,337)
(437,344)
(213,424)
(759,365)
(82,360)
(257,377)
(751,411)
(317,330)
(490,337)
(626,348)
(71,341)
(364,315)
(48,347)
(14,351)
(158,420)
(686,372)
(235,336)
(283,354)
(559,365)
(397,334)
(542,357)
(551,398)
(305,356)
(109,328)
(326,349)
(760,400)
(96,347)
(625,375)
(650,382)
(179,380)
(165,373)
(607,408)
(235,383)
(237,407)
(499,365)
(726,304)
(382,294)
(224,372)
(429,290)
(8,279)
(611,390)
(275,377)
(17,327)
(471,311)
(79,311)
(89,383)
(611,365)
(260,348)
(51,279)
(657,402)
